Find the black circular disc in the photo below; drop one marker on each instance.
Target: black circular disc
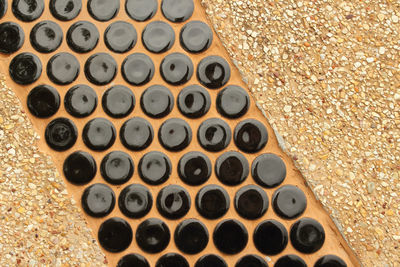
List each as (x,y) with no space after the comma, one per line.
(175,134)
(117,167)
(251,202)
(79,168)
(61,134)
(194,101)
(82,36)
(133,260)
(25,68)
(65,10)
(290,261)
(210,260)
(213,72)
(98,200)
(99,134)
(250,136)
(63,68)
(3,8)
(307,235)
(135,201)
(289,202)
(212,201)
(120,37)
(136,134)
(268,170)
(173,202)
(251,261)
(12,37)
(191,236)
(330,261)
(177,10)
(176,68)
(118,101)
(153,235)
(103,10)
(231,168)
(141,10)
(233,102)
(100,69)
(196,37)
(154,168)
(27,10)
(80,101)
(46,36)
(115,235)
(214,134)
(194,168)
(158,37)
(230,236)
(43,101)
(270,237)
(172,260)
(157,101)
(137,69)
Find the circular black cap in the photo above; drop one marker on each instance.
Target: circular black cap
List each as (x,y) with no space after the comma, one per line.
(251,261)
(154,168)
(63,68)
(100,69)
(25,68)
(191,236)
(251,202)
(196,37)
(330,261)
(157,101)
(102,10)
(152,235)
(79,168)
(289,202)
(46,36)
(43,101)
(99,134)
(173,202)
(172,260)
(135,201)
(250,136)
(118,101)
(132,259)
(27,10)
(175,134)
(176,68)
(137,69)
(177,10)
(65,10)
(80,101)
(194,101)
(210,260)
(120,37)
(307,235)
(61,134)
(194,168)
(12,37)
(268,170)
(214,134)
(98,200)
(233,102)
(141,10)
(136,134)
(230,236)
(158,37)
(212,202)
(82,36)
(117,167)
(290,260)
(270,237)
(115,235)
(231,168)
(213,72)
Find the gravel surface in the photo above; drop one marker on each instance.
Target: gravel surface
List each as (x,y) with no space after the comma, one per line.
(326,73)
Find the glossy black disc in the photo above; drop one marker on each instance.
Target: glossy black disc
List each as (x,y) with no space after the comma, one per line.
(136,134)
(103,10)
(230,236)
(173,202)
(120,37)
(270,237)
(118,101)
(212,202)
(27,10)
(210,260)
(289,202)
(115,235)
(99,134)
(175,134)
(79,168)
(194,168)
(141,10)
(25,68)
(250,136)
(191,236)
(135,201)
(82,36)
(158,37)
(12,37)
(213,72)
(98,200)
(100,69)
(196,37)
(214,135)
(153,235)
(133,260)
(172,260)
(63,68)
(46,36)
(43,101)
(157,101)
(65,10)
(137,69)
(231,168)
(176,68)
(61,134)
(268,170)
(80,101)
(307,235)
(117,167)
(233,102)
(194,101)
(3,8)
(251,202)
(177,10)
(154,168)
(290,261)
(330,261)
(251,261)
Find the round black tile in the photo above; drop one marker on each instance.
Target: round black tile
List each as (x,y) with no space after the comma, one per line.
(118,101)
(173,202)
(290,261)
(250,136)
(210,260)
(82,36)
(27,10)
(233,102)
(175,134)
(136,134)
(251,261)
(79,168)
(98,200)
(135,201)
(330,261)
(99,134)
(120,37)
(3,8)
(307,235)
(80,101)
(134,260)
(194,101)
(158,37)
(270,237)
(100,69)
(231,168)
(141,10)
(251,202)
(214,134)
(117,167)
(43,101)
(289,202)
(213,72)
(154,168)
(268,170)
(172,260)
(137,69)
(46,36)
(115,235)
(157,101)
(63,68)
(25,68)
(102,10)
(153,235)
(230,236)
(191,236)
(12,37)
(65,10)
(196,37)
(194,168)
(177,10)
(176,68)
(61,134)
(212,202)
